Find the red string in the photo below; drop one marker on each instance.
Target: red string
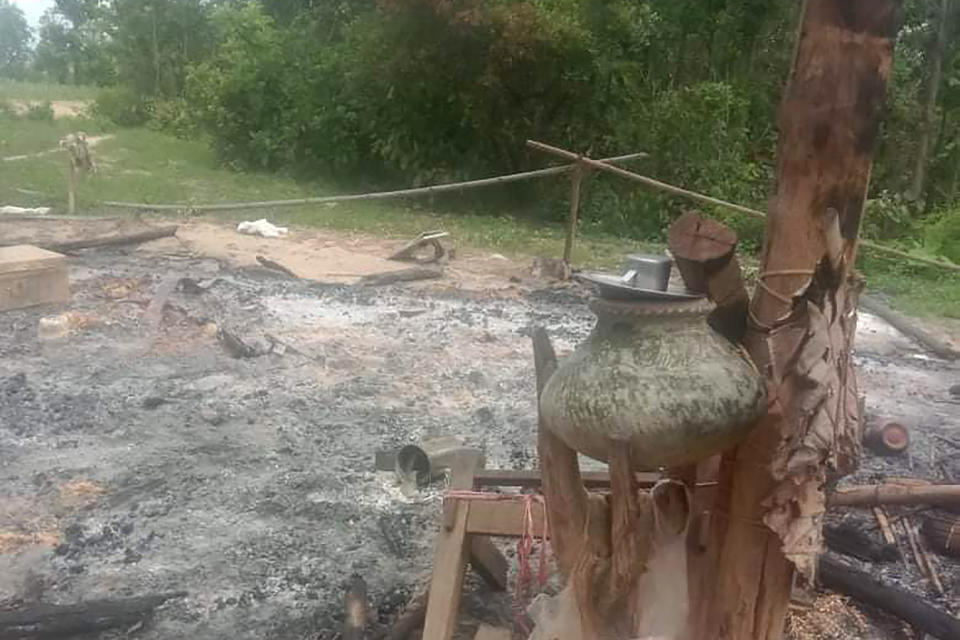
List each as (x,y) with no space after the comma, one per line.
(523,588)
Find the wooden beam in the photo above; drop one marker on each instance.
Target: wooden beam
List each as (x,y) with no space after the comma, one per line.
(531,478)
(449,564)
(503,517)
(485,558)
(488,563)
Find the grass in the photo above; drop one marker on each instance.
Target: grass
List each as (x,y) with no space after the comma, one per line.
(42,91)
(140,165)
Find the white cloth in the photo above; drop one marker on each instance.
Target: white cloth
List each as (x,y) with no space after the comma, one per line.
(12,210)
(261,228)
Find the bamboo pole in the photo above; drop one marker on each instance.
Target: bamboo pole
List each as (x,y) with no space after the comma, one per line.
(379,195)
(576,178)
(699,197)
(889,494)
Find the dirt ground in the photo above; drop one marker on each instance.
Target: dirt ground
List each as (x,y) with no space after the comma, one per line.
(61,108)
(137,455)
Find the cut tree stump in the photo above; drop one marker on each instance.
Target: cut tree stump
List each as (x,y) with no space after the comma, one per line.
(68,621)
(889,439)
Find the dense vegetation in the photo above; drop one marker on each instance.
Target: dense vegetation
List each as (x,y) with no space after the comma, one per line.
(398,92)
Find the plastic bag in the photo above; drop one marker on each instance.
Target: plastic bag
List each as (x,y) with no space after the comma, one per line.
(662,598)
(555,617)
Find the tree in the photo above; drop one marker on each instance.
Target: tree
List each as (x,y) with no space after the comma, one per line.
(802,322)
(15,37)
(153,42)
(936,52)
(73,43)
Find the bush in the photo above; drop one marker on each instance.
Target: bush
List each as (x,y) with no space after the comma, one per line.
(943,235)
(172,115)
(40,111)
(122,106)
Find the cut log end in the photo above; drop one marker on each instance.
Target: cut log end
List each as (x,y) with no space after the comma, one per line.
(892,438)
(701,239)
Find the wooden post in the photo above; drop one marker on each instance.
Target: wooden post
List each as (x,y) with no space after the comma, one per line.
(576,178)
(72,187)
(802,319)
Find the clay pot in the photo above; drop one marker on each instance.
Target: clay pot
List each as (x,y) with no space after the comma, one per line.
(655,377)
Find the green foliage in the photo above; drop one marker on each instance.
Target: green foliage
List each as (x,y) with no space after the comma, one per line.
(122,106)
(15,36)
(942,235)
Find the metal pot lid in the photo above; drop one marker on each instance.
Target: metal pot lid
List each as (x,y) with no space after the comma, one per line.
(613,287)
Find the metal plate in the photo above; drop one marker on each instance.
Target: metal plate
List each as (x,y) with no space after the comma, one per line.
(614,288)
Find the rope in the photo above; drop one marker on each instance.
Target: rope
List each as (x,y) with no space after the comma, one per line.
(751,317)
(523,588)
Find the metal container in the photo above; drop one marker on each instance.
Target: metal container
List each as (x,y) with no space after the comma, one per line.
(654,377)
(644,271)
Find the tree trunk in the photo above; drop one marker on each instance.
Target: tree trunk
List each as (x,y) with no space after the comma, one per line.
(156,53)
(934,76)
(802,319)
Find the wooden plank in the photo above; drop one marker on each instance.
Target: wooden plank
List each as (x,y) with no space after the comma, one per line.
(449,564)
(32,276)
(503,517)
(485,559)
(25,257)
(487,562)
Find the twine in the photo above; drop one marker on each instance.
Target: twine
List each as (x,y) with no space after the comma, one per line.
(523,588)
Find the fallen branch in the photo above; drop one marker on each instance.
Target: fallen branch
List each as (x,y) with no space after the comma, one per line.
(942,532)
(836,576)
(909,329)
(112,240)
(276,266)
(884,523)
(68,621)
(410,620)
(929,566)
(884,494)
(403,275)
(431,238)
(851,541)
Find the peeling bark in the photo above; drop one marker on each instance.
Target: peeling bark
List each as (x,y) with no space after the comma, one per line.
(802,321)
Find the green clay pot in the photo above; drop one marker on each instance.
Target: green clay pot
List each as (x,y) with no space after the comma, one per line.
(655,377)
